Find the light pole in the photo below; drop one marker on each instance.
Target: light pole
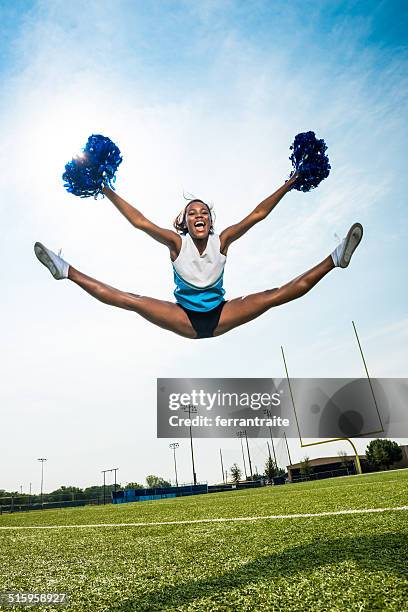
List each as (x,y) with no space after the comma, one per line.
(175,445)
(222,467)
(269,415)
(240,435)
(104,485)
(42,459)
(287,448)
(244,433)
(249,456)
(191,410)
(115,470)
(104,481)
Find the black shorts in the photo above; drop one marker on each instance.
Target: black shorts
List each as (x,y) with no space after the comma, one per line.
(204,323)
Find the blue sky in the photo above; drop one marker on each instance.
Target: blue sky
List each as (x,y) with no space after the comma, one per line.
(204,97)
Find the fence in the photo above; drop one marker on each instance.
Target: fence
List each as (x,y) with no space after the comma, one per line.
(13,505)
(134,495)
(320,475)
(250,484)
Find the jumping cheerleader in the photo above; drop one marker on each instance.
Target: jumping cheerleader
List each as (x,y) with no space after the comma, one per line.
(198,258)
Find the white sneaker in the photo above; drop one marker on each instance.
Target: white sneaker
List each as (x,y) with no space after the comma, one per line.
(342,254)
(56,265)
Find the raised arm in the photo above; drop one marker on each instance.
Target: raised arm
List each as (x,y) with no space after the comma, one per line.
(165,236)
(232,233)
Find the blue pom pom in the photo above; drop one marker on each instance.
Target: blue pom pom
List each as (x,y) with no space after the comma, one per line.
(95,168)
(309,159)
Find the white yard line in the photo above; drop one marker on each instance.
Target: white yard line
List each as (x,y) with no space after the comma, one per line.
(211,520)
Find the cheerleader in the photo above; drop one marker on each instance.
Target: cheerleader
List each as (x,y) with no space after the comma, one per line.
(198,256)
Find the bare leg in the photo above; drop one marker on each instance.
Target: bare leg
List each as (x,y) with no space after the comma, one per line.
(164,314)
(241,310)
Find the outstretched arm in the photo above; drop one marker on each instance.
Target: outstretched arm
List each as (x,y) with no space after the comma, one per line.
(165,236)
(232,233)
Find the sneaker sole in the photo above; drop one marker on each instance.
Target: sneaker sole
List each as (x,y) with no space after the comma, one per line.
(42,255)
(353,239)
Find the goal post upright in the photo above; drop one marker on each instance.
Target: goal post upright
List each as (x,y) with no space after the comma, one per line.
(302,444)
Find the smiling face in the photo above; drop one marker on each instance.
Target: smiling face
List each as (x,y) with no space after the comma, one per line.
(198,219)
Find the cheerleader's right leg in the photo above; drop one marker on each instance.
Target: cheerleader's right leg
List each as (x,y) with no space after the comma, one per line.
(159,312)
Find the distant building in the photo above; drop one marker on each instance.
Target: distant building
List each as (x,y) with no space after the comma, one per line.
(404,461)
(328,467)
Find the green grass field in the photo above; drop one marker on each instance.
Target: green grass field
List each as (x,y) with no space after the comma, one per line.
(355,562)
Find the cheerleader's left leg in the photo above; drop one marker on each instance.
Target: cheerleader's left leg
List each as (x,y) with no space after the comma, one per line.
(248,307)
(244,309)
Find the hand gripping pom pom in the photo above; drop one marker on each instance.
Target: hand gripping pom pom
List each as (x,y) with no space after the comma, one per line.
(87,174)
(309,159)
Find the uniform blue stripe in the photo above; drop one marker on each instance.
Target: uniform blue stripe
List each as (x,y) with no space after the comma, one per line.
(200,299)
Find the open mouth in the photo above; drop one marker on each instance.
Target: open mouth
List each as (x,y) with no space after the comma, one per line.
(199,224)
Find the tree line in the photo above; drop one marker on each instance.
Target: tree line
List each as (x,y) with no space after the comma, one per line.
(271,471)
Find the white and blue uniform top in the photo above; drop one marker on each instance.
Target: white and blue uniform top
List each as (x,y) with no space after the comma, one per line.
(199,278)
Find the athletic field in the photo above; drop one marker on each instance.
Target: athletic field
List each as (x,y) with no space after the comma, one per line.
(216,552)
